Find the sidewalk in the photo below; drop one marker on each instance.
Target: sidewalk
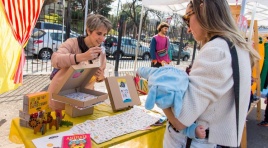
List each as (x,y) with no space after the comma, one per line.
(11,103)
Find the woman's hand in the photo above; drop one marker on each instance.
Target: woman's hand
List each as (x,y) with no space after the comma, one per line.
(90,54)
(100,75)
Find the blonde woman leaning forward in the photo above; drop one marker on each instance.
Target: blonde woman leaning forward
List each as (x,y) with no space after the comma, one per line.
(81,50)
(209,98)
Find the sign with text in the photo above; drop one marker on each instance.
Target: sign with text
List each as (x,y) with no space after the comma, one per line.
(36,102)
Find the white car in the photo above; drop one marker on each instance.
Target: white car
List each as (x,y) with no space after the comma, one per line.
(44,42)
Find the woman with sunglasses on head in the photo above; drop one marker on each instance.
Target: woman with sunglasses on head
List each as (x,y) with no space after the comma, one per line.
(210,97)
(82,50)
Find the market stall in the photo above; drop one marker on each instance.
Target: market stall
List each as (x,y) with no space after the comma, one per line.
(152,137)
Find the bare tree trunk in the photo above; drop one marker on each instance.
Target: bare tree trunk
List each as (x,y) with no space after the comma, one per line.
(124,28)
(135,32)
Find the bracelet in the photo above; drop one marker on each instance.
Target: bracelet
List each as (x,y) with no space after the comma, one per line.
(75,59)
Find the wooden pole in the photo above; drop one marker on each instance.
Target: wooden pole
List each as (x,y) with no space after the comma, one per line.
(257,66)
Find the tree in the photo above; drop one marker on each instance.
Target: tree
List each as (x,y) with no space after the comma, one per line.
(47,2)
(97,6)
(133,10)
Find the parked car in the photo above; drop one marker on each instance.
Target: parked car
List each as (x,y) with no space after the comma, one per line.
(185,55)
(44,42)
(128,47)
(147,39)
(51,26)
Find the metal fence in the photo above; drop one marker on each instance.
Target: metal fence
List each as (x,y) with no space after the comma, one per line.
(53,17)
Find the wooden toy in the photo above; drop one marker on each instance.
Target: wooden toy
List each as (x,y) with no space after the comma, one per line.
(36,113)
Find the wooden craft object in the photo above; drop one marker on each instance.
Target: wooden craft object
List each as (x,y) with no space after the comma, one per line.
(54,122)
(41,127)
(66,123)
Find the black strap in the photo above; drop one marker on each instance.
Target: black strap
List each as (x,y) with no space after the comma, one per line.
(188,143)
(236,79)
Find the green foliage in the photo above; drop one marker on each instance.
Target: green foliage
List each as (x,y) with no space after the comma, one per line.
(102,7)
(66,123)
(78,14)
(260,40)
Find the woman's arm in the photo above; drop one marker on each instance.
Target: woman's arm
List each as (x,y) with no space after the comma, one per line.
(69,54)
(64,57)
(174,121)
(100,73)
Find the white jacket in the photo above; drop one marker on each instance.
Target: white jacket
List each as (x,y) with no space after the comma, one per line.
(209,99)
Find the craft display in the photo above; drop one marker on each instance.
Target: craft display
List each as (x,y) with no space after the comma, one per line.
(36,113)
(107,128)
(73,91)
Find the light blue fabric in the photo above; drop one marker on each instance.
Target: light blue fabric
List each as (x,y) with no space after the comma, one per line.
(167,86)
(190,131)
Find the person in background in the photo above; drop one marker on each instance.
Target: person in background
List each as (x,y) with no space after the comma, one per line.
(186,45)
(81,51)
(265,121)
(159,46)
(170,52)
(209,97)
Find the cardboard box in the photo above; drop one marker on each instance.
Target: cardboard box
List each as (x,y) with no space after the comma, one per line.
(74,112)
(24,115)
(35,102)
(75,80)
(24,123)
(122,92)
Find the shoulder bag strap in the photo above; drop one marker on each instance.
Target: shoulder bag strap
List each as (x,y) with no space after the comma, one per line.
(236,78)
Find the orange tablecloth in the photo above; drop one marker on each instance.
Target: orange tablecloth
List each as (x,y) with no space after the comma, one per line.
(147,138)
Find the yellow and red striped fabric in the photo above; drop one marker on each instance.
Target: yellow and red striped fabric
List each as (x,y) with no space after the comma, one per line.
(22,16)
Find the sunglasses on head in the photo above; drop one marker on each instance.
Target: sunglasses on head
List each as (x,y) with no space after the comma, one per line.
(186,17)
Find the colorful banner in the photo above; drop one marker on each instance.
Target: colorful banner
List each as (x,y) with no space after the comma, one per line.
(21,16)
(18,19)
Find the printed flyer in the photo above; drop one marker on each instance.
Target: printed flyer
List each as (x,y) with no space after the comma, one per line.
(124,90)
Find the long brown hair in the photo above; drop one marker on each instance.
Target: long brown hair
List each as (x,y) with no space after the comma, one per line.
(216,19)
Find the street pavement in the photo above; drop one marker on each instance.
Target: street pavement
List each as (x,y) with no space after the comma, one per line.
(11,103)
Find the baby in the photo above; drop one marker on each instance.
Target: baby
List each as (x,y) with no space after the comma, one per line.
(167,86)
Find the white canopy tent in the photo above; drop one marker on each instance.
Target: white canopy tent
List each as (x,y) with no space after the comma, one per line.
(179,6)
(248,7)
